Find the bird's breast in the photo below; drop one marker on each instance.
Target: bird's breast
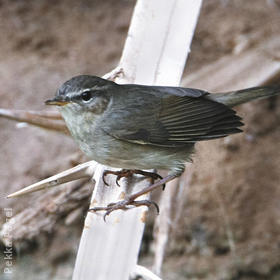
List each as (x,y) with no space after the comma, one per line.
(107,150)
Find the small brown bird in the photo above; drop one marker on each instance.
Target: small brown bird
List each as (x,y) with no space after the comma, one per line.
(137,127)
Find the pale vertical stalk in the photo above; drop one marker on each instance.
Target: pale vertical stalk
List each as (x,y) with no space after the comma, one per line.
(155,51)
(181,29)
(162,224)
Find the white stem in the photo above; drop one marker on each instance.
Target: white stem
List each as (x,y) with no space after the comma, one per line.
(155,51)
(84,170)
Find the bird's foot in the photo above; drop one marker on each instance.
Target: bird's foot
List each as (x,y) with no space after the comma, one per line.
(129,173)
(130,200)
(124,205)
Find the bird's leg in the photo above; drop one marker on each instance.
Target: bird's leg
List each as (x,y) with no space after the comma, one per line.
(130,200)
(128,173)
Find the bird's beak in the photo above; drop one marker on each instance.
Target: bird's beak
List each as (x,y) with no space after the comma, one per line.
(56,101)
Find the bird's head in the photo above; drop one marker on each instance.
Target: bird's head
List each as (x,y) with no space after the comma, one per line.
(83,93)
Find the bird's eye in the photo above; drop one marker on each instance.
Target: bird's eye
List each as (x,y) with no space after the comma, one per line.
(86,96)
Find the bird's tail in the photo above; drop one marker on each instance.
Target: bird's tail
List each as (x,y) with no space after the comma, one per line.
(238,97)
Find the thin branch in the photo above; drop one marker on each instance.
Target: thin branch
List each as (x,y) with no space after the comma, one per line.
(84,170)
(46,120)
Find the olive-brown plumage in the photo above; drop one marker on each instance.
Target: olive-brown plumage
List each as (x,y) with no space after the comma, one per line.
(145,127)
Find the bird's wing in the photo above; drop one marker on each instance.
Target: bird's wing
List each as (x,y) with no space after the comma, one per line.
(173,118)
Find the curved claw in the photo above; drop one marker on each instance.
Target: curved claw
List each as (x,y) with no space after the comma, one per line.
(157,176)
(119,174)
(153,176)
(103,177)
(107,213)
(111,209)
(117,180)
(145,202)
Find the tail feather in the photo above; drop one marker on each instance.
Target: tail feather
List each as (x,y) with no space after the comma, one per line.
(238,97)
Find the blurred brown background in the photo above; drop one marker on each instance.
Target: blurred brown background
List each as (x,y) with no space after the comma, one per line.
(230,225)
